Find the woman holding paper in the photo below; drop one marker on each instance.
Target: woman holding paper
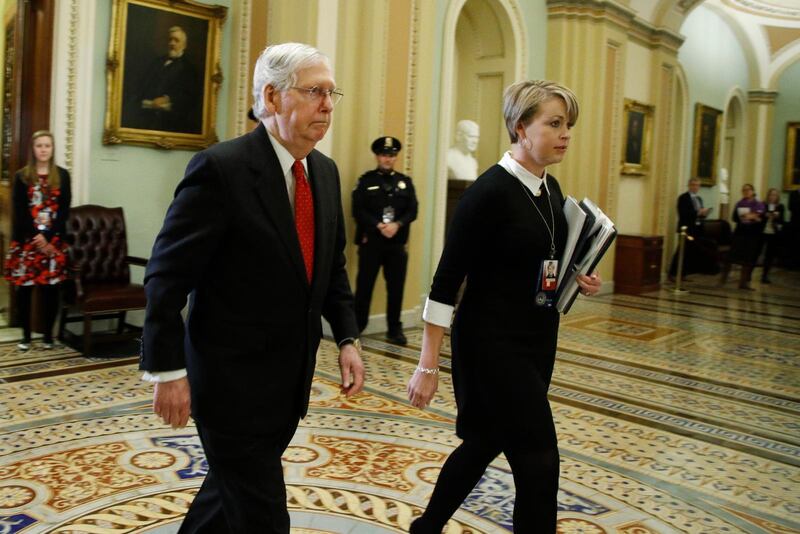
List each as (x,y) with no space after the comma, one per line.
(748,216)
(507,227)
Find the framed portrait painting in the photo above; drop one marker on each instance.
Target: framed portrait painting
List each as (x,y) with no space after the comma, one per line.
(636,147)
(163,73)
(707,122)
(791,174)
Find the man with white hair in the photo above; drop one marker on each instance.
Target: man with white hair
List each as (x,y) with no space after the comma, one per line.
(255,237)
(170,93)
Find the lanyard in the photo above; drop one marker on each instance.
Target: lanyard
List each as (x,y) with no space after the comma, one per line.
(552,217)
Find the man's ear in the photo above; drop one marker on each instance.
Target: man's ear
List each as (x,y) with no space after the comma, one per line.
(272,99)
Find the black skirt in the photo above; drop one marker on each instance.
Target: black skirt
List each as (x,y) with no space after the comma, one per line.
(501,377)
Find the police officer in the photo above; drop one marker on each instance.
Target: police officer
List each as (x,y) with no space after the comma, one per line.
(384,205)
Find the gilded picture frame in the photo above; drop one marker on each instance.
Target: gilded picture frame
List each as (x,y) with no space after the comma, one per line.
(791,173)
(163,73)
(705,151)
(638,133)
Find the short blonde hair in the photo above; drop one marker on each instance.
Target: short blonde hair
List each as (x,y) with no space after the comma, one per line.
(521,101)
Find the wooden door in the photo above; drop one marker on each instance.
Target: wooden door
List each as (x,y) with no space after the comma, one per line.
(26,103)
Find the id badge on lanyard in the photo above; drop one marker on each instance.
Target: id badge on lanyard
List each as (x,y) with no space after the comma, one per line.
(547,283)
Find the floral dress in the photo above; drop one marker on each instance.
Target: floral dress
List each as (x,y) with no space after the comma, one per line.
(43,214)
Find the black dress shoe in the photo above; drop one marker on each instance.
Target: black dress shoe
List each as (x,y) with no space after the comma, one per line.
(397,338)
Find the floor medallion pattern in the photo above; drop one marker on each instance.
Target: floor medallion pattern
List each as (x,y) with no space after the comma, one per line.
(674,414)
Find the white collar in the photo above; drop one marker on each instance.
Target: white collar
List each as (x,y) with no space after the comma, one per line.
(284,157)
(530,180)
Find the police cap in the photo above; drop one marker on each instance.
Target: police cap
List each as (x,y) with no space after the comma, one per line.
(386,145)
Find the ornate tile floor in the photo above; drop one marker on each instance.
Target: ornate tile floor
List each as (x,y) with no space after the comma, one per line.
(675,413)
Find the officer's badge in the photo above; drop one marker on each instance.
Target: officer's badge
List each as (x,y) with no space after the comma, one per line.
(401,184)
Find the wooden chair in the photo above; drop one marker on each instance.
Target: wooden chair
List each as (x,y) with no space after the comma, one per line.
(100,286)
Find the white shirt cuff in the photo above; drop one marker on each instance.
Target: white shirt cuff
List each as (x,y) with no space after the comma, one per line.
(164,376)
(438,313)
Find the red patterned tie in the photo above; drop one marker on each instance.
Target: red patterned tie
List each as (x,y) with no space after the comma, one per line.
(304,216)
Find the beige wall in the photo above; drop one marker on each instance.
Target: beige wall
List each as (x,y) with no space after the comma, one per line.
(376,59)
(606,55)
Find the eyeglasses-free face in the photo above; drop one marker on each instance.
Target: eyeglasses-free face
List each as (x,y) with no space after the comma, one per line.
(318,93)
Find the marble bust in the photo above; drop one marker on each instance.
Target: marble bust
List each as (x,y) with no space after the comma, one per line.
(461,164)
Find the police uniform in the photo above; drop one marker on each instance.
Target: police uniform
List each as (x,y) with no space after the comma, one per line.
(386,197)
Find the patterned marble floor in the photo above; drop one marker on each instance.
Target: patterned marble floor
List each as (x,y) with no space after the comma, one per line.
(675,413)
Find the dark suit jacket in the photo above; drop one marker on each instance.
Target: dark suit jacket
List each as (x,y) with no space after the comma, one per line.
(253,328)
(687,215)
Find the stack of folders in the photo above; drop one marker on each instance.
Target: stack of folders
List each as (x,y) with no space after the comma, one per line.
(591,232)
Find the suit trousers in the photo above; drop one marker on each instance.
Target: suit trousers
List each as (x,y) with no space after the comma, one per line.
(244,490)
(394,260)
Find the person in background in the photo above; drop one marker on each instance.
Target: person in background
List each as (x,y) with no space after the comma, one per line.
(384,206)
(773,228)
(37,252)
(507,225)
(691,214)
(748,214)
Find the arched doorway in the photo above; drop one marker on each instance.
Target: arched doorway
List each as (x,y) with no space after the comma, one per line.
(484,66)
(485,50)
(732,152)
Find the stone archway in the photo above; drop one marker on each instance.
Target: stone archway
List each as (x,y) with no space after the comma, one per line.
(485,49)
(732,157)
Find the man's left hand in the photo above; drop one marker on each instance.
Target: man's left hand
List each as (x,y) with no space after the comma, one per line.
(352,369)
(590,285)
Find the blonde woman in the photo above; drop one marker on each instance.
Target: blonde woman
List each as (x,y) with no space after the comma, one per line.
(509,226)
(37,252)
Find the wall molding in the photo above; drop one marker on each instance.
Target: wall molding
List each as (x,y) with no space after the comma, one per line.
(411,89)
(71,97)
(761,96)
(241,71)
(623,17)
(614,71)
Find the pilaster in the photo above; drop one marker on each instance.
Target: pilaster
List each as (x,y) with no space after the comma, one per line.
(588,51)
(760,113)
